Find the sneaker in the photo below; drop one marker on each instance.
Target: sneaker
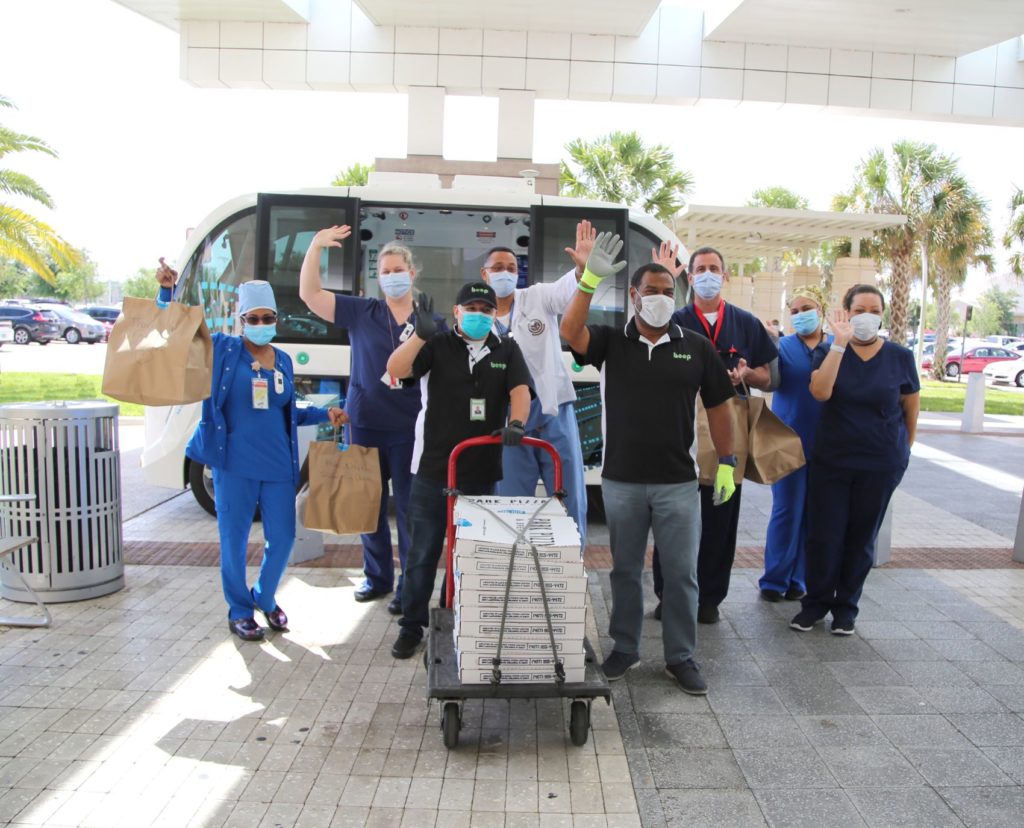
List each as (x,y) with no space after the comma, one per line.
(657,612)
(687,673)
(804,621)
(247,629)
(771,595)
(794,594)
(616,665)
(842,626)
(707,615)
(405,646)
(395,606)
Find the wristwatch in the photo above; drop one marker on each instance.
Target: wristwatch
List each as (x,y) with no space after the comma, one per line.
(727,460)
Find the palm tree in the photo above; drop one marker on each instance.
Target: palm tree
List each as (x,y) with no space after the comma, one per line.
(781,197)
(1015,233)
(961,237)
(357,175)
(904,180)
(23,237)
(619,167)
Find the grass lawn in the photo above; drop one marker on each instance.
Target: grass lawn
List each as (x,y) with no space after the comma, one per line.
(949,396)
(40,387)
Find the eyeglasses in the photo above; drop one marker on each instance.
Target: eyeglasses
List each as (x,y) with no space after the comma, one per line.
(500,268)
(256,319)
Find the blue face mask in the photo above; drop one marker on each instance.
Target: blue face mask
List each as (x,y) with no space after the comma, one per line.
(806,322)
(503,283)
(259,334)
(395,285)
(475,325)
(707,285)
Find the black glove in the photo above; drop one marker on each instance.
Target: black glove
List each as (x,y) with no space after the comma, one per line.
(426,326)
(512,434)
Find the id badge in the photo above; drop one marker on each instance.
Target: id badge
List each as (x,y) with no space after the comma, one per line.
(407,331)
(477,410)
(391,382)
(278,382)
(260,393)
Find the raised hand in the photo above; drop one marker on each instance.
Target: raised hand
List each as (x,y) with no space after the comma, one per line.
(585,238)
(426,325)
(331,236)
(601,263)
(839,322)
(166,275)
(667,255)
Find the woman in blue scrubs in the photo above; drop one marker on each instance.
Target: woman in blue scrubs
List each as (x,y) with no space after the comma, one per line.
(871,395)
(247,436)
(793,404)
(383,412)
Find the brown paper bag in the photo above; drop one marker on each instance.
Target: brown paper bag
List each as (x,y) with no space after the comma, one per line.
(158,356)
(707,456)
(344,489)
(774,449)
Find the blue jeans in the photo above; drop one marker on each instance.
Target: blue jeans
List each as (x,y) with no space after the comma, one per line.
(394,448)
(428,519)
(236,499)
(673,511)
(523,466)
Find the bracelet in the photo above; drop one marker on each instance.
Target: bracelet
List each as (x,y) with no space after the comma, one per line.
(839,349)
(584,289)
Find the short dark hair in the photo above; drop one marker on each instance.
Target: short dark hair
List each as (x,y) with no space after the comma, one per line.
(856,289)
(499,249)
(700,251)
(651,267)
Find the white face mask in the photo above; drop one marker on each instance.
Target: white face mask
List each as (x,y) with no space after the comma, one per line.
(865,326)
(656,310)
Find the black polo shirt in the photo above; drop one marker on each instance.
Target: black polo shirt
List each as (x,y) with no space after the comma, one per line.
(448,388)
(739,334)
(649,398)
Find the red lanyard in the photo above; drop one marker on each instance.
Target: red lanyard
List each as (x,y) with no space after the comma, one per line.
(718,322)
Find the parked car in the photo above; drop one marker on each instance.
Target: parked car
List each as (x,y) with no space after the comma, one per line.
(1005,341)
(1006,372)
(31,324)
(975,359)
(76,326)
(6,331)
(104,314)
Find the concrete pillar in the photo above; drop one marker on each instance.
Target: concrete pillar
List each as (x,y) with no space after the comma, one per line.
(973,418)
(738,291)
(770,289)
(515,123)
(803,275)
(426,120)
(849,272)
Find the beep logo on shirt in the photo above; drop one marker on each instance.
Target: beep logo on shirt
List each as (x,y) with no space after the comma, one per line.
(500,365)
(687,357)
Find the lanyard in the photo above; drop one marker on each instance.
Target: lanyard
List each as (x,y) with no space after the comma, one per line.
(718,322)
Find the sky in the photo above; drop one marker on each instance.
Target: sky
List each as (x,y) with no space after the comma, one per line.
(144,156)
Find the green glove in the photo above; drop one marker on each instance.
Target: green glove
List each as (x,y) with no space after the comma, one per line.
(601,263)
(724,484)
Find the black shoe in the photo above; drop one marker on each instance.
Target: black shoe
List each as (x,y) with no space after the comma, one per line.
(657,612)
(395,606)
(794,594)
(405,646)
(277,620)
(687,673)
(804,621)
(366,593)
(247,629)
(616,665)
(772,595)
(842,626)
(707,615)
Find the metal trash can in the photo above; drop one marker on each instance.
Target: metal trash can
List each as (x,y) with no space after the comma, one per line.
(66,454)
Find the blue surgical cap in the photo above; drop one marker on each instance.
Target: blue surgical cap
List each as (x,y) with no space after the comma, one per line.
(255,294)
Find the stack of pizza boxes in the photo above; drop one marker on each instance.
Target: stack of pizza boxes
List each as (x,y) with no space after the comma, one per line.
(485,529)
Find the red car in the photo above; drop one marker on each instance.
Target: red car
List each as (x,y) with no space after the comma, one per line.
(974,360)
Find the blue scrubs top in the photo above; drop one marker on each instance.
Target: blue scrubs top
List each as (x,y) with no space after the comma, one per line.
(740,335)
(792,401)
(258,445)
(374,334)
(862,425)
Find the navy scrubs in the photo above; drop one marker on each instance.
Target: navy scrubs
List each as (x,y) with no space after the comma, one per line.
(383,416)
(792,403)
(736,334)
(861,450)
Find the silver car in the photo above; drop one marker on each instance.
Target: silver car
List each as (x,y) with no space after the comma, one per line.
(76,326)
